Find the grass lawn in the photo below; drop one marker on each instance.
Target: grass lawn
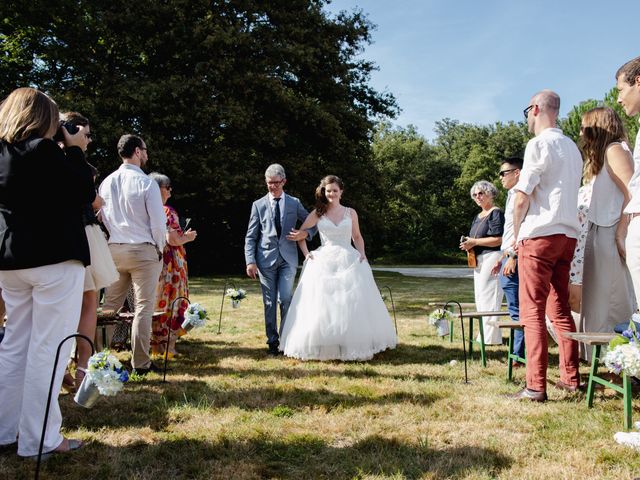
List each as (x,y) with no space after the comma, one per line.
(229,411)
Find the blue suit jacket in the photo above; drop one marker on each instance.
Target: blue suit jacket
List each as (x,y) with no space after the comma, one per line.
(262,245)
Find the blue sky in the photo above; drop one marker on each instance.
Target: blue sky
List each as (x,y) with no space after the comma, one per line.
(481,61)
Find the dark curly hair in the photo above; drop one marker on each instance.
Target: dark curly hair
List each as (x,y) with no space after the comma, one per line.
(321,198)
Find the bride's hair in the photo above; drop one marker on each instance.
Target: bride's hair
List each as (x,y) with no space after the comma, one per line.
(321,198)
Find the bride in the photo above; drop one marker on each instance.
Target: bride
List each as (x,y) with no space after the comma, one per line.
(337,312)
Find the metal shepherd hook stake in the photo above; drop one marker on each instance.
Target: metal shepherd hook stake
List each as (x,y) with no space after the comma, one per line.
(227,283)
(53,376)
(464,345)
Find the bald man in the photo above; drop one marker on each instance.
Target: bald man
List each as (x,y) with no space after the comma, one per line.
(546,228)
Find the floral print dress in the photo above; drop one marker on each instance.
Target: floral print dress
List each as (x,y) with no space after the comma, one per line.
(173,284)
(577,264)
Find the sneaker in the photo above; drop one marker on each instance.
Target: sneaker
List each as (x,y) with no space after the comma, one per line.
(151,368)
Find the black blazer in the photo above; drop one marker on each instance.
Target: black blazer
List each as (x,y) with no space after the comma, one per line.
(42,191)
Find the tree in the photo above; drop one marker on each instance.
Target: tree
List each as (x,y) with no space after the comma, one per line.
(217,89)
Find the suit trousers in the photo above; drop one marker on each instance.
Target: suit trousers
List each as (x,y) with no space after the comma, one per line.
(510,287)
(544,286)
(138,264)
(43,307)
(277,287)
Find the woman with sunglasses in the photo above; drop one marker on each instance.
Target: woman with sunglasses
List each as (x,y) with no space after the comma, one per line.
(173,278)
(485,238)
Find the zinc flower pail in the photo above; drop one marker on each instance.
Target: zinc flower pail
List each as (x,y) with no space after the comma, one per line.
(442,327)
(87,394)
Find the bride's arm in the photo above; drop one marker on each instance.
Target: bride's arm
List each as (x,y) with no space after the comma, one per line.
(358,241)
(310,221)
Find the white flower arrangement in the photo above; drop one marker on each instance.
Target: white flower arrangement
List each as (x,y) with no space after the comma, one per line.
(195,316)
(236,294)
(623,354)
(440,314)
(624,358)
(107,373)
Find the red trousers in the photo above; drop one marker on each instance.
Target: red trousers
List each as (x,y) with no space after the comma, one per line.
(544,264)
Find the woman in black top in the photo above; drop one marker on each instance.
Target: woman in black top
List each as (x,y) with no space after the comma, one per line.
(485,238)
(43,251)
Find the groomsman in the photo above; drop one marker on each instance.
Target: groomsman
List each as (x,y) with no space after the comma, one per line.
(628,83)
(269,253)
(546,228)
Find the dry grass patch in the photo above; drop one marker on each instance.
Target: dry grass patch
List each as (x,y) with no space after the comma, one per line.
(229,411)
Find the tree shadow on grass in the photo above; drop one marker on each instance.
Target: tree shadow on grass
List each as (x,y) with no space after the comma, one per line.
(280,456)
(266,398)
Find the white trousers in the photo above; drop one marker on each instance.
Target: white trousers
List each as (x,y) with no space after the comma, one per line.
(488,293)
(632,246)
(43,307)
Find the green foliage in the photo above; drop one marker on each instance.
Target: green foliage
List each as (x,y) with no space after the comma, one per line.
(218,89)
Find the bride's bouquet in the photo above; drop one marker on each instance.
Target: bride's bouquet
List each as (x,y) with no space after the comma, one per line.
(440,319)
(195,316)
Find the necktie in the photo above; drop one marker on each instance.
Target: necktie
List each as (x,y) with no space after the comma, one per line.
(277,215)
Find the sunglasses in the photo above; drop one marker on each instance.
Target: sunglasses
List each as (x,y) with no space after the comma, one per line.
(504,173)
(477,194)
(527,110)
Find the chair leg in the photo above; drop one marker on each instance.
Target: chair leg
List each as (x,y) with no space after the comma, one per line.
(595,356)
(470,337)
(450,331)
(626,398)
(510,357)
(483,353)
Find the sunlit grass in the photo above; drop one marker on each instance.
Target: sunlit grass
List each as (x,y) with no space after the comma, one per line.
(229,411)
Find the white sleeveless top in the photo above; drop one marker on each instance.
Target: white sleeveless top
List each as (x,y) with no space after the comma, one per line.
(606,198)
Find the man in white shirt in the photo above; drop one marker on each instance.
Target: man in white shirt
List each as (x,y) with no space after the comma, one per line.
(628,83)
(134,215)
(507,266)
(546,227)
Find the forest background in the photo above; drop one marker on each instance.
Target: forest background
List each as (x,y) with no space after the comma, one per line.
(221,89)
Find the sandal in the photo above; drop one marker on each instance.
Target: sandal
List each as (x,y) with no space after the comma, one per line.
(67,445)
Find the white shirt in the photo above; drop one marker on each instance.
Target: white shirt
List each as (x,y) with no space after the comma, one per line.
(132,210)
(272,202)
(551,178)
(634,184)
(508,234)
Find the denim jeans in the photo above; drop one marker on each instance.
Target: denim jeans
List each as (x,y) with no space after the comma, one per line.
(510,287)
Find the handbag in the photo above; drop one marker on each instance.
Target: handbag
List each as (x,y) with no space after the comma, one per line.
(471,259)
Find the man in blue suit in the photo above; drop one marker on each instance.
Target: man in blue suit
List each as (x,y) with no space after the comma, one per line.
(269,253)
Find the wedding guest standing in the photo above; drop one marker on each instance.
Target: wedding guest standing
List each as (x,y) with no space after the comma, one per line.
(134,216)
(546,227)
(607,292)
(174,282)
(42,260)
(102,271)
(507,267)
(269,253)
(485,238)
(628,83)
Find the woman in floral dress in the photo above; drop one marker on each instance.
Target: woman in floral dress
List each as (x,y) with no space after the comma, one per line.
(173,279)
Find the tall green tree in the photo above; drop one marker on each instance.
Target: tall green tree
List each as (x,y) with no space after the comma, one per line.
(218,89)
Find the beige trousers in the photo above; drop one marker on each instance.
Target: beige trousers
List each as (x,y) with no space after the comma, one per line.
(137,264)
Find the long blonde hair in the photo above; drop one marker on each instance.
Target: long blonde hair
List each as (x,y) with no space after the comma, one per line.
(601,127)
(27,112)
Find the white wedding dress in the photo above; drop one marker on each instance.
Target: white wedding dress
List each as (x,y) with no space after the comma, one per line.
(336,312)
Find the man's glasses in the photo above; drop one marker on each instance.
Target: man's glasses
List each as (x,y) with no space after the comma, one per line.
(477,194)
(276,183)
(504,173)
(527,110)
